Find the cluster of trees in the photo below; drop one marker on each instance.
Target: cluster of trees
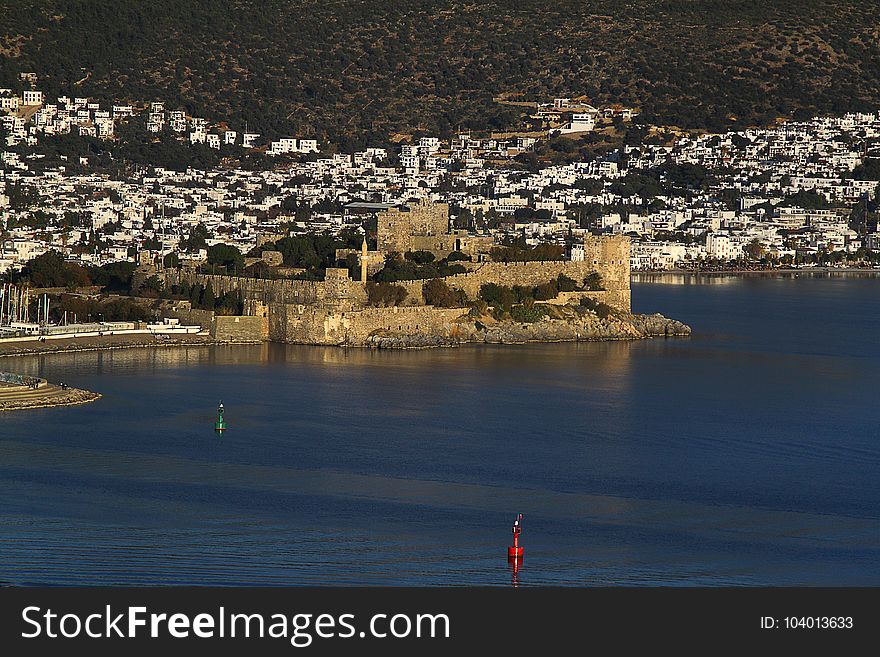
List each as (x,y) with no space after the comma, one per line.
(86,309)
(415,265)
(21,195)
(201,296)
(385,294)
(807,199)
(869,169)
(50,270)
(519,301)
(226,256)
(505,297)
(314,252)
(669,178)
(436,292)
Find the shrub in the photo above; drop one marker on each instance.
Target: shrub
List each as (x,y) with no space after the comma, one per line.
(566,284)
(419,257)
(603,310)
(593,282)
(529,313)
(437,293)
(546,291)
(498,296)
(385,294)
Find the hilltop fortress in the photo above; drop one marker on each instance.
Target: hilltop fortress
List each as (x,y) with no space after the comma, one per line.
(337,310)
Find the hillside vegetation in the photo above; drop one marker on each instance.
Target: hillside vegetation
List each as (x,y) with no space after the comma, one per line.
(350,71)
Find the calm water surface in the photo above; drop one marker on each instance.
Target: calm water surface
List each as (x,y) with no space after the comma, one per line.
(747,454)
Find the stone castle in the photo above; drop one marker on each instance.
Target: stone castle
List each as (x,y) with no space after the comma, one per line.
(336,311)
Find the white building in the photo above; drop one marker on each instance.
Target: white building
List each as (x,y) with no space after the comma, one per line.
(32,98)
(718,245)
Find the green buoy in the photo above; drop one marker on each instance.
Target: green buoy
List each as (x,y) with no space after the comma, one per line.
(220,424)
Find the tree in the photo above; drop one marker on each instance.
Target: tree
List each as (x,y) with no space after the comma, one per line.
(419,257)
(208,300)
(227,256)
(755,249)
(593,282)
(385,294)
(197,239)
(566,284)
(437,293)
(545,291)
(50,270)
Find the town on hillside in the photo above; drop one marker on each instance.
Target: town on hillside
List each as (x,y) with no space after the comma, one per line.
(792,194)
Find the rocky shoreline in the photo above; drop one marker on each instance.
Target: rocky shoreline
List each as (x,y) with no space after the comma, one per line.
(565,324)
(46,397)
(571,327)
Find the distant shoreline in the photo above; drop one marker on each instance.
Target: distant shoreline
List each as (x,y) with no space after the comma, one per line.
(786,271)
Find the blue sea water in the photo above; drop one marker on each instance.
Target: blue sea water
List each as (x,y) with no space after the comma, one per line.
(746,454)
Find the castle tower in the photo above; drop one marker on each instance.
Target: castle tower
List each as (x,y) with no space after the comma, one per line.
(364,260)
(609,255)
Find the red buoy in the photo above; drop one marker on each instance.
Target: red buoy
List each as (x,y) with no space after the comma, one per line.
(515,551)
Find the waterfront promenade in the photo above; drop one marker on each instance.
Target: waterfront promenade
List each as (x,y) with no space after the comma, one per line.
(96,342)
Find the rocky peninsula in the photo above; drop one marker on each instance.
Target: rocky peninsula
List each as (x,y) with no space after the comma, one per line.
(564,324)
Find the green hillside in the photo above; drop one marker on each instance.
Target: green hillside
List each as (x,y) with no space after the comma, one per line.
(351,71)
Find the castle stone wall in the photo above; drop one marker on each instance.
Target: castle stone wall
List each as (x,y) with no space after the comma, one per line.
(424,227)
(334,290)
(301,324)
(237,329)
(615,277)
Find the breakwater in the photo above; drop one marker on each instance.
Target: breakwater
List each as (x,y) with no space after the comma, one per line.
(19,392)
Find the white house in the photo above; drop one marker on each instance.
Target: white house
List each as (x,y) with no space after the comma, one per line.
(580,122)
(8,101)
(307,146)
(32,98)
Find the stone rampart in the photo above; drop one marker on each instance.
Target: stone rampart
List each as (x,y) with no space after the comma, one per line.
(302,324)
(531,274)
(231,328)
(275,290)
